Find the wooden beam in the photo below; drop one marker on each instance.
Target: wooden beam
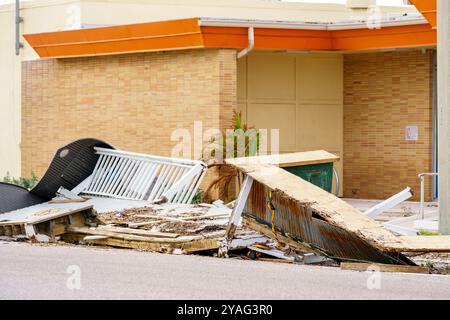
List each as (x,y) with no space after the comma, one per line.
(162,247)
(132,237)
(145,233)
(382,267)
(289,159)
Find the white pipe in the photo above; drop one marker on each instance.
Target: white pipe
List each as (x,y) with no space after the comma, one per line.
(403,231)
(336,175)
(390,203)
(251,43)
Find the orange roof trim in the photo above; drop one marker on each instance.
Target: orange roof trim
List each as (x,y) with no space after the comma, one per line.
(428,8)
(188,34)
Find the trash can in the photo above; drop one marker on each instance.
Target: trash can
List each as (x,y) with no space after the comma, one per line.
(320,175)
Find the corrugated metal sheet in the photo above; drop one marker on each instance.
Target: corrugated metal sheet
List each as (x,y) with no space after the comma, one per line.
(299,222)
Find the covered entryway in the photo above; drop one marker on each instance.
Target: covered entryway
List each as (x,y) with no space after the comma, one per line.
(301,94)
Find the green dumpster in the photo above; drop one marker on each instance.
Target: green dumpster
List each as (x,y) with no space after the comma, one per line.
(315,167)
(320,175)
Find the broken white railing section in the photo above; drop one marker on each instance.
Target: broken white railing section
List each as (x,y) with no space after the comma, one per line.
(390,203)
(135,176)
(235,217)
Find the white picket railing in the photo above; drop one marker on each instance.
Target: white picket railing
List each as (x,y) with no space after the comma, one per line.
(135,176)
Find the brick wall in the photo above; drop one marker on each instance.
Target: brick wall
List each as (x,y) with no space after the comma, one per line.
(133,101)
(384,93)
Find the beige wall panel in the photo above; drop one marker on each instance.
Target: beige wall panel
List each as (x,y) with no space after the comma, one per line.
(300,94)
(282,117)
(242,79)
(271,76)
(320,78)
(242,108)
(320,127)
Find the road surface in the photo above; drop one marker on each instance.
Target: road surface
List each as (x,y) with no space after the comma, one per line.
(64,272)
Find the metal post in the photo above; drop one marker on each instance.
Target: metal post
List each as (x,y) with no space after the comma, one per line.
(422,192)
(19,20)
(443,13)
(422,196)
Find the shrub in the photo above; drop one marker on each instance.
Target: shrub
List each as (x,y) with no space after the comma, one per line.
(28,183)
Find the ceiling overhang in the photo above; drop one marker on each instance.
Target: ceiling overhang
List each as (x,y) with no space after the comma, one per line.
(195,33)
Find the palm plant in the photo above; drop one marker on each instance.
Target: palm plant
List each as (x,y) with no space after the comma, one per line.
(239,141)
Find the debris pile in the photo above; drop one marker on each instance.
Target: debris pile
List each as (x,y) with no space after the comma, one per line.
(135,201)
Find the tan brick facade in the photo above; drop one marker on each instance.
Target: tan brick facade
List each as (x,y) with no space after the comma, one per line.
(384,93)
(132,101)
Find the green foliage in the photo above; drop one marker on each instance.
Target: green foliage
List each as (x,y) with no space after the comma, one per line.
(28,183)
(198,197)
(245,140)
(428,233)
(245,143)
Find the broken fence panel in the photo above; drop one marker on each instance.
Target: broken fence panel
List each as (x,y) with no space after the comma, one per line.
(134,176)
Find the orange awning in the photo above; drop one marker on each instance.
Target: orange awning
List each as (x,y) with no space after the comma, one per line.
(189,33)
(428,8)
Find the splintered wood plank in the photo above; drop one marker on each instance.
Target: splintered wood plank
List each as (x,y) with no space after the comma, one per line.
(14,222)
(186,247)
(100,232)
(275,260)
(329,207)
(288,159)
(383,267)
(55,213)
(143,224)
(139,232)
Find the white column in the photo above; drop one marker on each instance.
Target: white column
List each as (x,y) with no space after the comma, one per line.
(443,10)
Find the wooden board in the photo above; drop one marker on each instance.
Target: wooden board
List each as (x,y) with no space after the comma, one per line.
(288,159)
(427,243)
(383,267)
(145,233)
(188,247)
(51,214)
(132,237)
(51,222)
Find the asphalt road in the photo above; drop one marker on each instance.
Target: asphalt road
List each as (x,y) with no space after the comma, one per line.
(37,272)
